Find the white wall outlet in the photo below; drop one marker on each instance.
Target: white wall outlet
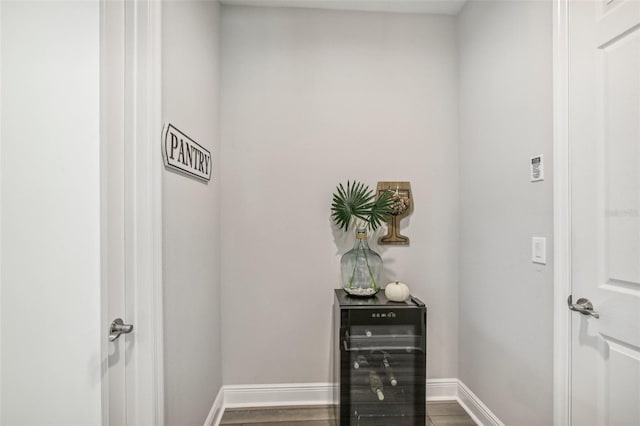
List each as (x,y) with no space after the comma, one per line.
(539,250)
(537,168)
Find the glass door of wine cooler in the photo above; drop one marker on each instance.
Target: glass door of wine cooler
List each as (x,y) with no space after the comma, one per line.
(382,367)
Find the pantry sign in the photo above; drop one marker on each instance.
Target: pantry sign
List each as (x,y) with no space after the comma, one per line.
(182,153)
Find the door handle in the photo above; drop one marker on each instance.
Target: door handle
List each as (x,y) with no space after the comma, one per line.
(117,328)
(584,306)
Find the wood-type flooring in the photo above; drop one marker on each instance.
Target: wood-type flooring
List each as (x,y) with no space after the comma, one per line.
(440,413)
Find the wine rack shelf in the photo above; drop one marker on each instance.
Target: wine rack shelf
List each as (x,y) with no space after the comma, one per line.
(379,361)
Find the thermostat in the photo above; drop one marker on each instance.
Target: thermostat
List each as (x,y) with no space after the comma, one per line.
(537,169)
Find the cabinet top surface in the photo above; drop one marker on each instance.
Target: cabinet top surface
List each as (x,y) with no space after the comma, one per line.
(379,300)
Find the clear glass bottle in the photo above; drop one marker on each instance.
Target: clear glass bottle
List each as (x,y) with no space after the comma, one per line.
(361,268)
(361,361)
(376,385)
(388,370)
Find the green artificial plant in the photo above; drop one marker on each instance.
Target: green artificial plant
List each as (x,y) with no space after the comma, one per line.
(358,204)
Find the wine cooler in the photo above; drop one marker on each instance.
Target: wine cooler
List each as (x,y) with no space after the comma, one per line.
(379,361)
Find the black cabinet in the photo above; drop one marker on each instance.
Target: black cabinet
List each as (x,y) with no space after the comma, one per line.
(379,360)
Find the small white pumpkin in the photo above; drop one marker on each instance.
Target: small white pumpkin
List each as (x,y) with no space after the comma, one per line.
(397,292)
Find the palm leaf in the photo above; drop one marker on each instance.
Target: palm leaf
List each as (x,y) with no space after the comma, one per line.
(381,209)
(357,202)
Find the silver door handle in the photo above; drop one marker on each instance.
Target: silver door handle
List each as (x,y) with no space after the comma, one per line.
(117,328)
(584,306)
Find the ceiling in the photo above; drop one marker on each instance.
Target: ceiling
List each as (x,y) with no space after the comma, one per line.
(440,7)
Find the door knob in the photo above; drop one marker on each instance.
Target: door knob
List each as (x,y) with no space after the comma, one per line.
(584,306)
(117,328)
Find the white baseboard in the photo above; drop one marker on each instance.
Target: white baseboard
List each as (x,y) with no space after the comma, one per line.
(237,396)
(278,394)
(217,409)
(442,389)
(476,409)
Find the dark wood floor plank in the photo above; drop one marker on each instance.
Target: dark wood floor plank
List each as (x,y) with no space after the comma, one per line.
(445,408)
(276,414)
(464,420)
(441,413)
(300,423)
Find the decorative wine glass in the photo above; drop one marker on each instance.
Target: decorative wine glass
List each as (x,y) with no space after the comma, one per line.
(402,207)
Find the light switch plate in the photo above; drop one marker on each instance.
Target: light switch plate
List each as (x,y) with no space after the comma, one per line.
(539,250)
(537,168)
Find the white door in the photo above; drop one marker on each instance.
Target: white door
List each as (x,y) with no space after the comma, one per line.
(604,146)
(80,220)
(49,229)
(130,186)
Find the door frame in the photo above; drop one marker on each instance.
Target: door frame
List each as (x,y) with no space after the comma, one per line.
(143,180)
(561,217)
(148,216)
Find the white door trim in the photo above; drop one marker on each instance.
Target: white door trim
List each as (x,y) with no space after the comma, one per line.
(143,192)
(150,164)
(561,218)
(147,216)
(0,212)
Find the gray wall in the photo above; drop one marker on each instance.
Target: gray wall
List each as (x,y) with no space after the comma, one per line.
(190,214)
(311,98)
(506,306)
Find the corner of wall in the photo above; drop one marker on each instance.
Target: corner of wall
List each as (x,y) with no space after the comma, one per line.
(191,213)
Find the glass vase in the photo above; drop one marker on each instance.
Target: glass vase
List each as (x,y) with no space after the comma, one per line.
(361,268)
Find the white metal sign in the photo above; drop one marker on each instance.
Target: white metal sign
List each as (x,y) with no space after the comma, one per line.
(184,154)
